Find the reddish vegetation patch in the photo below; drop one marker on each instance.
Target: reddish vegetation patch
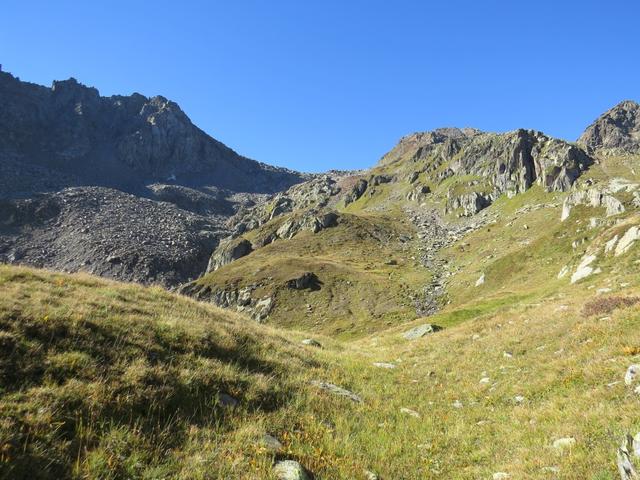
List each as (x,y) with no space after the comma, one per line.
(605,305)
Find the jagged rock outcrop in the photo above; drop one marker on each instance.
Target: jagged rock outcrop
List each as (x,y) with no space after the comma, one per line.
(124,142)
(312,195)
(593,197)
(236,247)
(470,203)
(501,163)
(229,250)
(356,191)
(244,299)
(616,131)
(310,221)
(418,193)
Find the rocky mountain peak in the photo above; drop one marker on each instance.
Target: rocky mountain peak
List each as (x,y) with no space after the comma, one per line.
(126,142)
(617,129)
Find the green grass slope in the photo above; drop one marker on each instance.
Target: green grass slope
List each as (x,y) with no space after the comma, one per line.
(106,380)
(364,266)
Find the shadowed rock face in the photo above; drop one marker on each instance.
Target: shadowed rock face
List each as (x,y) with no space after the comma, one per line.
(617,129)
(123,186)
(124,142)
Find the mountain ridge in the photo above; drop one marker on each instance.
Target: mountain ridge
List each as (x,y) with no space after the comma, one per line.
(121,141)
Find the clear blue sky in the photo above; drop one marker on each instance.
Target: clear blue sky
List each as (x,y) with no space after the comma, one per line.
(314,85)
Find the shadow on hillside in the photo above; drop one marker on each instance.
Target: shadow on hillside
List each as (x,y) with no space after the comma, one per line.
(139,377)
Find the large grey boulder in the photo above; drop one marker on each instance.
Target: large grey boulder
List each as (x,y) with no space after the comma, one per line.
(627,240)
(585,268)
(470,203)
(310,221)
(420,331)
(229,250)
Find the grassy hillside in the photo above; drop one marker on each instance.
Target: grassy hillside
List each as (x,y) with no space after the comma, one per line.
(102,380)
(365,271)
(105,380)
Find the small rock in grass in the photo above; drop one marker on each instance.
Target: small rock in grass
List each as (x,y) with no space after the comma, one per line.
(518,399)
(227,400)
(369,475)
(475,337)
(384,365)
(563,272)
(480,280)
(457,404)
(310,342)
(420,331)
(290,470)
(507,354)
(408,411)
(485,380)
(271,443)
(632,374)
(336,390)
(564,443)
(626,466)
(501,476)
(555,470)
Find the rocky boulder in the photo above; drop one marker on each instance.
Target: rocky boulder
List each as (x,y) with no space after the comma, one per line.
(310,221)
(420,331)
(290,470)
(418,193)
(356,191)
(229,250)
(617,130)
(469,203)
(308,280)
(593,197)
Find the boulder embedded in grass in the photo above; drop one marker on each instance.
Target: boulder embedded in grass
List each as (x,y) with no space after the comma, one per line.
(420,331)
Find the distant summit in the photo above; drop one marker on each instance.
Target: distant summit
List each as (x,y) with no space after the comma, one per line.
(124,142)
(617,129)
